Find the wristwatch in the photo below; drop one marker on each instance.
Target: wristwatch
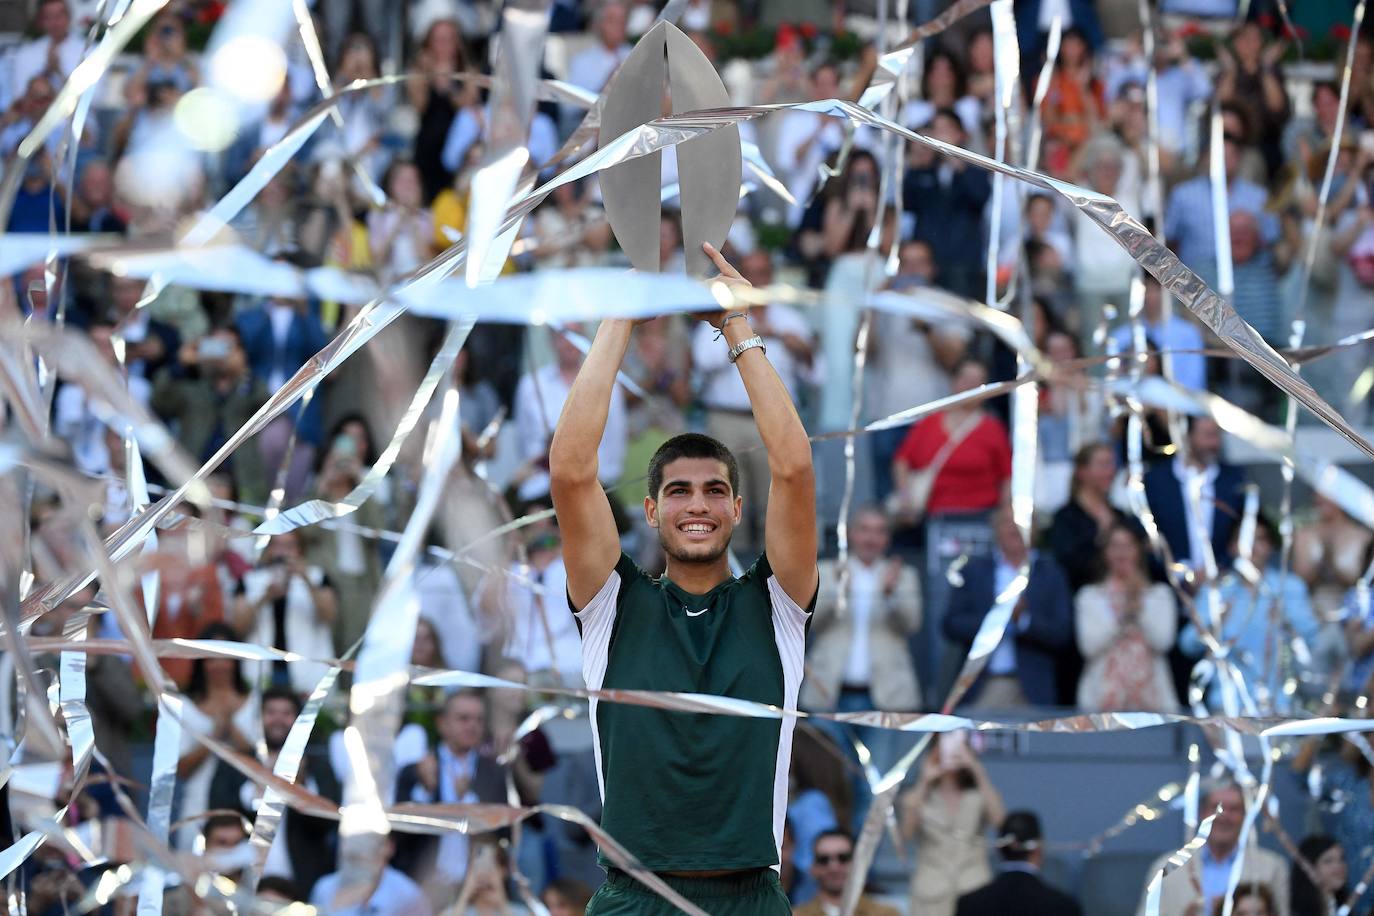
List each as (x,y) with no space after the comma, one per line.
(748,343)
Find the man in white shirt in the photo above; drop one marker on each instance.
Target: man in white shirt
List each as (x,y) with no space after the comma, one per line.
(394,895)
(592,68)
(539,401)
(541,637)
(791,345)
(54,53)
(806,139)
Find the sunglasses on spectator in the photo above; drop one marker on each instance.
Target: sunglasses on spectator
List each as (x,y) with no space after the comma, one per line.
(843,858)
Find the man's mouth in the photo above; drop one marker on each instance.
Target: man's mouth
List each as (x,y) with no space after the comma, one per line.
(697,528)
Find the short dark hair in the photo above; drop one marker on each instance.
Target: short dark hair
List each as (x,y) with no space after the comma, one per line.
(216,821)
(827,834)
(278,885)
(691,445)
(1020,836)
(281,693)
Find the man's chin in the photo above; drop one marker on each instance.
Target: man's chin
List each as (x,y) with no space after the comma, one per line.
(695,553)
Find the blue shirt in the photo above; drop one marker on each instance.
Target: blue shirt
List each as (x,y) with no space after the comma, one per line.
(1246,625)
(1188,220)
(1216,875)
(396,895)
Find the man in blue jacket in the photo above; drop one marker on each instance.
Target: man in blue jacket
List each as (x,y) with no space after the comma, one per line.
(1021,670)
(1221,497)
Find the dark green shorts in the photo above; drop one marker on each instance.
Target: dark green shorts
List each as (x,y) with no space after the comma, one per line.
(752,893)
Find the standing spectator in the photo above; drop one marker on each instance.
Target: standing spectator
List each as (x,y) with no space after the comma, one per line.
(1256,274)
(372,19)
(1188,214)
(1078,532)
(1203,879)
(820,798)
(454,772)
(966,456)
(36,193)
(1251,76)
(279,336)
(365,113)
(1305,136)
(189,598)
(528,601)
(1102,268)
(791,345)
(909,361)
(947,198)
(399,235)
(592,68)
(1179,335)
(1019,888)
(1256,636)
(1217,511)
(433,94)
(570,230)
(942,86)
(149,344)
(946,815)
(1074,104)
(805,139)
(393,895)
(214,399)
(1035,18)
(1182,82)
(349,561)
(1071,415)
(1333,875)
(291,606)
(1329,554)
(832,855)
(304,848)
(1126,626)
(1021,670)
(23,113)
(81,423)
(859,657)
(539,401)
(54,54)
(165,58)
(220,706)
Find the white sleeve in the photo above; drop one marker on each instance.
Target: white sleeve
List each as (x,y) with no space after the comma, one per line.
(598,619)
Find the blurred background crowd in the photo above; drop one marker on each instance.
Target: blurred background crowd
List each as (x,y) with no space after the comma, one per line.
(1104,623)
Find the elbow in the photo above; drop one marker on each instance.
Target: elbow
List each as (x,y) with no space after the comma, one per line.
(793,467)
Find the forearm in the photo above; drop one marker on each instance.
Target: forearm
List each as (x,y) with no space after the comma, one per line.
(583,421)
(780,428)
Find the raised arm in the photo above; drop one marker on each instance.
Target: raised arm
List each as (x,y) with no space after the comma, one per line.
(591,545)
(790,523)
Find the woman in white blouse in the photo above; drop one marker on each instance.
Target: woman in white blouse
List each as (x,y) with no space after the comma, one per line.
(1126,626)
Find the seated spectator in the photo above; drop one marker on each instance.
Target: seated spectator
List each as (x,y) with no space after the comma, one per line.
(805,140)
(506,712)
(400,233)
(946,815)
(1250,630)
(1072,414)
(149,343)
(1249,900)
(820,797)
(832,855)
(528,602)
(947,197)
(1079,530)
(215,397)
(221,707)
(189,598)
(1179,335)
(486,892)
(166,60)
(1330,555)
(1256,276)
(279,336)
(859,656)
(393,895)
(29,211)
(1021,670)
(1252,76)
(290,605)
(539,400)
(1202,881)
(22,115)
(79,422)
(94,206)
(1125,626)
(350,561)
(942,86)
(1188,214)
(1182,82)
(1019,888)
(454,772)
(1220,506)
(224,839)
(566,897)
(304,848)
(53,54)
(570,230)
(1102,268)
(1074,104)
(364,114)
(1332,887)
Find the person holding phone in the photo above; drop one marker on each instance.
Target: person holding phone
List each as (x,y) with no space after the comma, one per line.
(946,815)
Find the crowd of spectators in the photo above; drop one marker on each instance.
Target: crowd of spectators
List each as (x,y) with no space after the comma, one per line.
(1108,619)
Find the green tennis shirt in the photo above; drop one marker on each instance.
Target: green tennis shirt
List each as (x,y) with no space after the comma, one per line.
(694,791)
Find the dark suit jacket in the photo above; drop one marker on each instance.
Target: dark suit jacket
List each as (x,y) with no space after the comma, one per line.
(416,853)
(311,842)
(199,409)
(1165,495)
(1049,627)
(304,338)
(1017,892)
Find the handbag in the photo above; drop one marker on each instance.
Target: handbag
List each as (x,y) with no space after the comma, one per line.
(910,502)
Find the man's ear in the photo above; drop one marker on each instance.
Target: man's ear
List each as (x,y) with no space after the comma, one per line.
(739,509)
(651,511)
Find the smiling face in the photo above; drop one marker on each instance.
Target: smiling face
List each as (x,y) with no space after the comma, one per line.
(1122,554)
(1332,870)
(696,510)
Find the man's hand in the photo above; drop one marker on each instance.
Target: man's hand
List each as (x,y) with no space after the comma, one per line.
(892,575)
(731,278)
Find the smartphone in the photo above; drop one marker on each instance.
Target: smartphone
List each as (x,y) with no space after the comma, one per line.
(344,446)
(212,348)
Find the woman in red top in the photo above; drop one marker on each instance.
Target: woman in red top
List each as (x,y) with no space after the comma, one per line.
(975,472)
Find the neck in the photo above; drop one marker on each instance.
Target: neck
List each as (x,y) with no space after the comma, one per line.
(698,578)
(1091,499)
(459,751)
(834,899)
(1220,851)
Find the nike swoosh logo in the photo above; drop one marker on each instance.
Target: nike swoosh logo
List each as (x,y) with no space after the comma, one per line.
(698,613)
